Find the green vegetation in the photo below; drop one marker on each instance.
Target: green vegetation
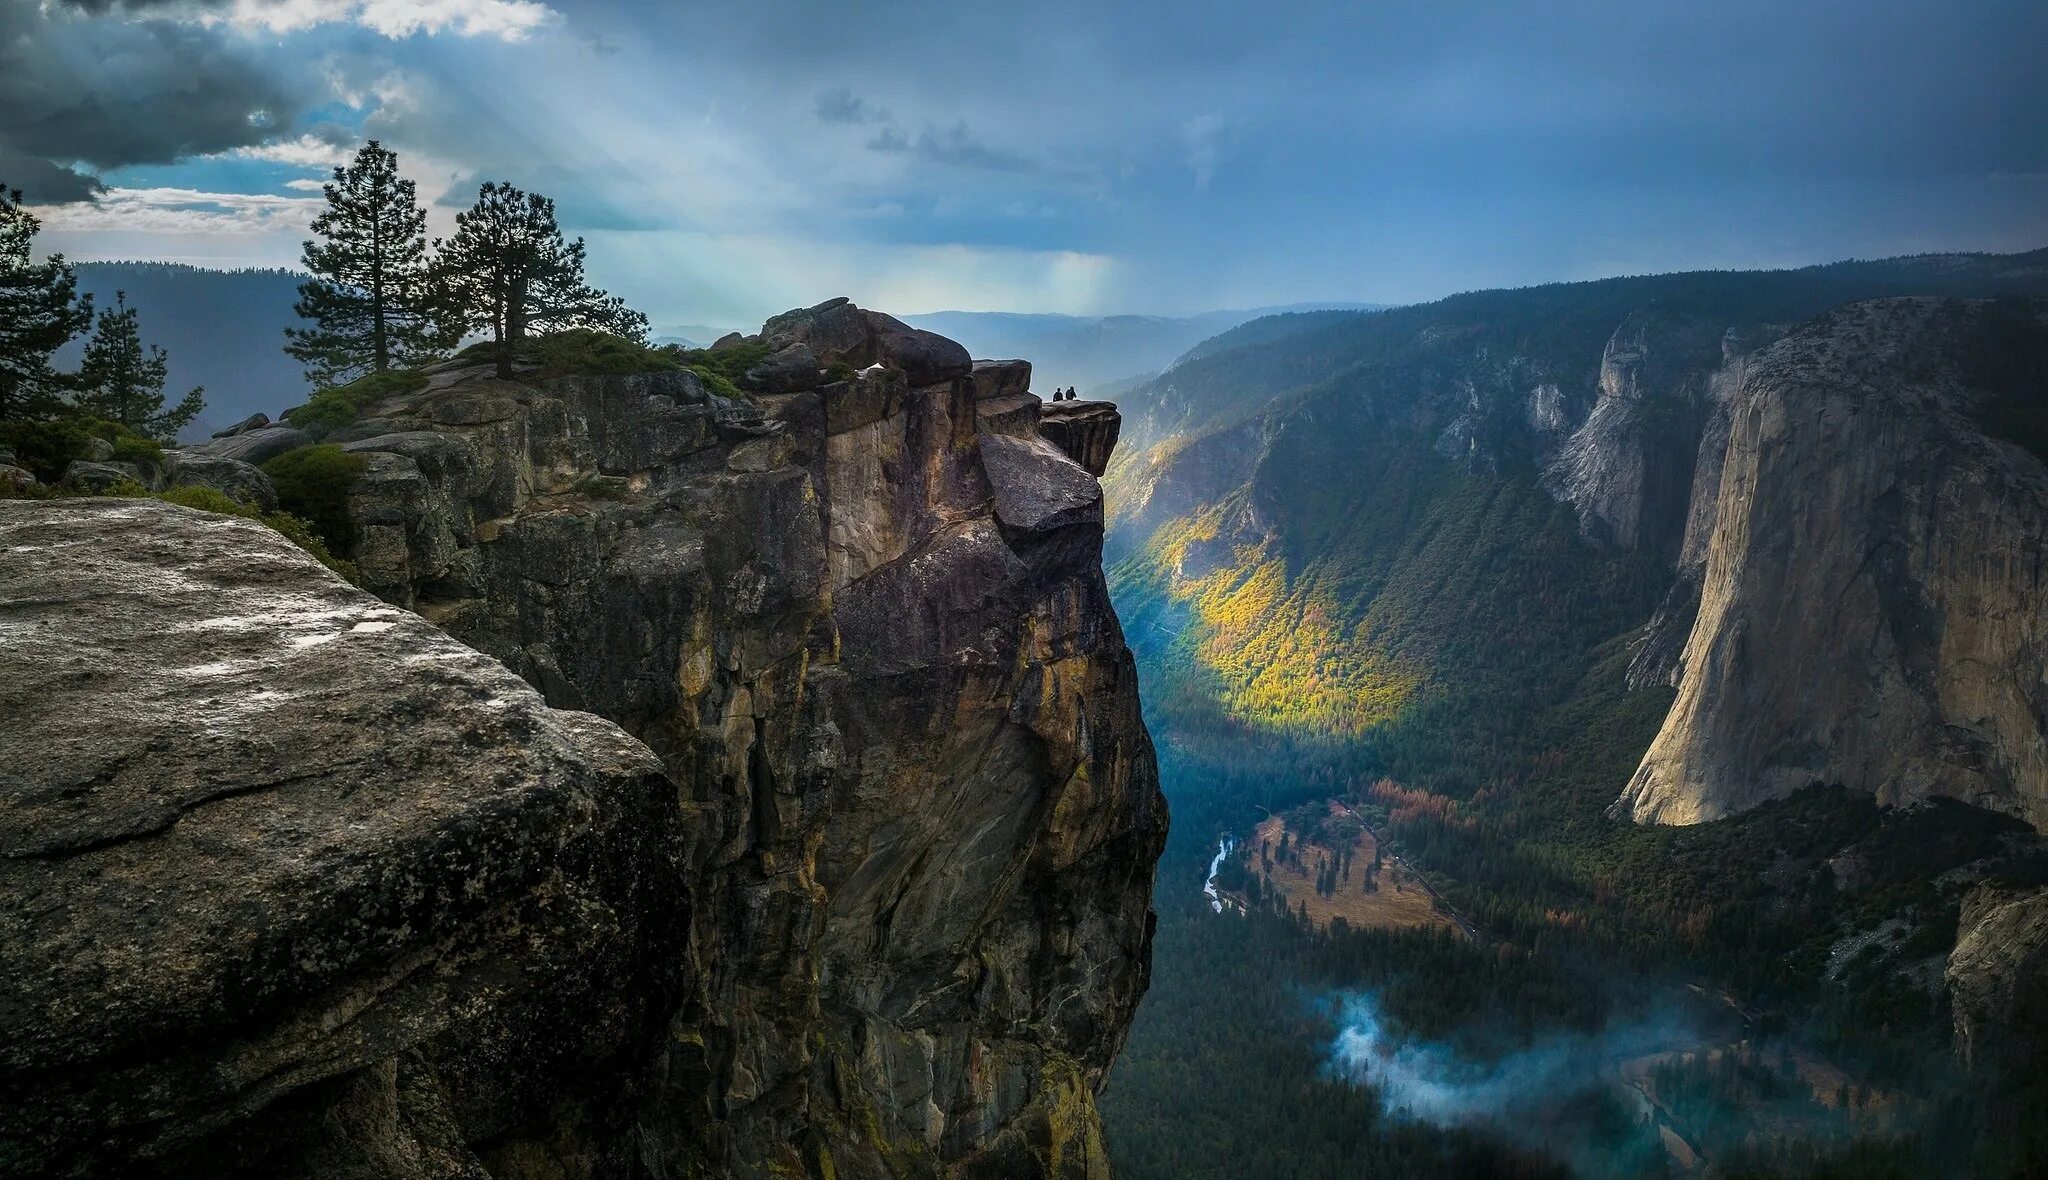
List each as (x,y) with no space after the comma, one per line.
(722,370)
(330,409)
(40,312)
(49,418)
(46,447)
(382,301)
(508,271)
(580,351)
(1423,633)
(121,381)
(313,484)
(372,304)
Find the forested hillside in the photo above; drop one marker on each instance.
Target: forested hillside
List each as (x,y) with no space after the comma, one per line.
(1354,566)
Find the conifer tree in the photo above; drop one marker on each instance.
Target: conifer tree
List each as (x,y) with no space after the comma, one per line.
(508,271)
(39,312)
(372,300)
(122,381)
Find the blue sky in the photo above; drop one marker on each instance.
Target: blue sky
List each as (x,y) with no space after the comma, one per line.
(729,160)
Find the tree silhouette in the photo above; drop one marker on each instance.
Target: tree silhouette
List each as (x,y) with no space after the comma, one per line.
(509,271)
(372,300)
(39,312)
(122,381)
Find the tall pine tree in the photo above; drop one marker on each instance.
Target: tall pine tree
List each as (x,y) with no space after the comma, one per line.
(122,381)
(372,300)
(39,312)
(509,272)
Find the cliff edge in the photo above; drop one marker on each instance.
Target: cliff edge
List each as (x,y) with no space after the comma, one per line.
(893,909)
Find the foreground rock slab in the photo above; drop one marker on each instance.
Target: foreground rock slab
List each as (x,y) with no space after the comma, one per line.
(268,844)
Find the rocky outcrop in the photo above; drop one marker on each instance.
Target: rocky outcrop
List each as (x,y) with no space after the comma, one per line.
(1086,431)
(1628,468)
(903,872)
(1998,980)
(295,884)
(1871,606)
(256,444)
(838,333)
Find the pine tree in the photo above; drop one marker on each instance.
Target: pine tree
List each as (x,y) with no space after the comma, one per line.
(372,299)
(39,313)
(122,381)
(508,271)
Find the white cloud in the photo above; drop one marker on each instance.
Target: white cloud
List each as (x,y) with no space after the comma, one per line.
(306,184)
(307,151)
(509,20)
(183,211)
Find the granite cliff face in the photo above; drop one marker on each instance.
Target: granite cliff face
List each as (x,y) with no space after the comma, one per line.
(1872,609)
(903,916)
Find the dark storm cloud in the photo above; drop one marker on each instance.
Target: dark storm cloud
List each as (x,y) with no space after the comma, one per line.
(103,94)
(42,182)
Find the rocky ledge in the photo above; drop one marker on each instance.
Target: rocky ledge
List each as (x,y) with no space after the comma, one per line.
(277,854)
(880,908)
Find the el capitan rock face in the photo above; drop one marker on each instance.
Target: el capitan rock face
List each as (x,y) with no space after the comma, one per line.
(1872,608)
(914,814)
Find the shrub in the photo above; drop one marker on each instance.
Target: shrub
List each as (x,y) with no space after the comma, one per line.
(723,370)
(585,350)
(337,406)
(45,448)
(130,447)
(313,484)
(580,352)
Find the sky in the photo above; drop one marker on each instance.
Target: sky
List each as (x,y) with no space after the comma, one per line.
(729,160)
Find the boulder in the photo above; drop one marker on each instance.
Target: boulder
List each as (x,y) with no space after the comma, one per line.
(728,341)
(294,884)
(14,478)
(789,370)
(836,330)
(99,450)
(926,358)
(252,422)
(1038,489)
(257,446)
(98,478)
(232,477)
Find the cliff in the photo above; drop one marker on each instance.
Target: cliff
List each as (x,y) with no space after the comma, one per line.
(858,615)
(1871,604)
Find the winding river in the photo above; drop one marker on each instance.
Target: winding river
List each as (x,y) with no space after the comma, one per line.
(1223,847)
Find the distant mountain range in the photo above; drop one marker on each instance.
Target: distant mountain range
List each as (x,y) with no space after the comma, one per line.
(224,330)
(1094,353)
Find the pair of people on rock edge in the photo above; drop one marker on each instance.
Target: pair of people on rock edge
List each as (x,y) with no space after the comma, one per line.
(1064,395)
